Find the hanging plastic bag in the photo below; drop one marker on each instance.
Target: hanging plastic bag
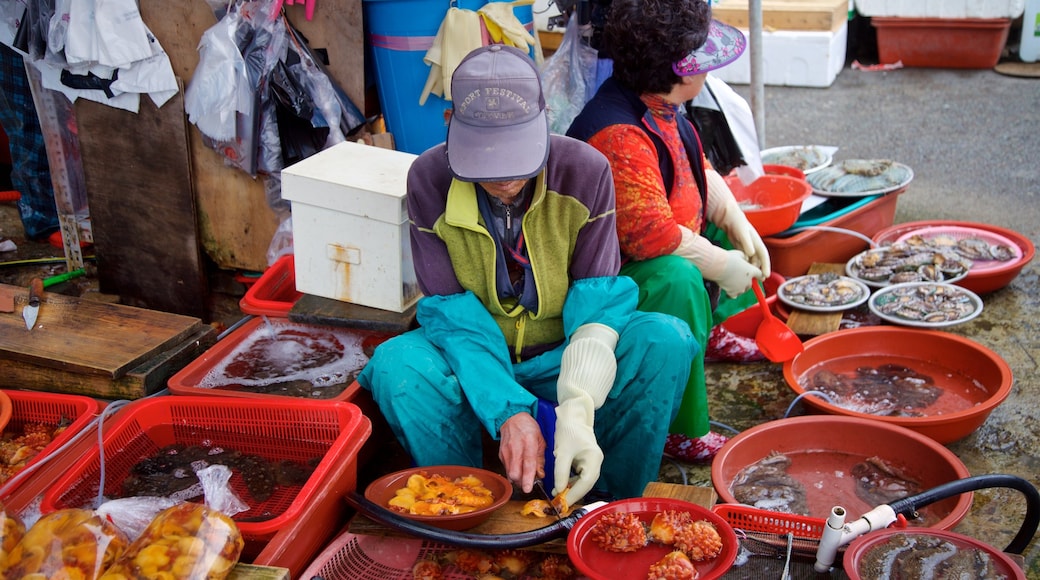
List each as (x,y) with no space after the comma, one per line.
(568,78)
(219,89)
(727,129)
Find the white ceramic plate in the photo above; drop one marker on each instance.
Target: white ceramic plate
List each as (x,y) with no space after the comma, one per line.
(854,270)
(922,303)
(836,181)
(808,158)
(857,293)
(957,233)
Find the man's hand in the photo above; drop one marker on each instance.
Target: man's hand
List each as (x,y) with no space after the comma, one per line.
(522,450)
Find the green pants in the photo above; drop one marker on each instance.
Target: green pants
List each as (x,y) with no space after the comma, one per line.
(673,285)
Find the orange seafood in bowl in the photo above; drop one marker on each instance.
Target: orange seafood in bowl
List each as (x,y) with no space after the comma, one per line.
(472,495)
(68,543)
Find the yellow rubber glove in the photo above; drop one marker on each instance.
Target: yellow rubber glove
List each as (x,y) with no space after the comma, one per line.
(730,269)
(587,373)
(458,35)
(504,27)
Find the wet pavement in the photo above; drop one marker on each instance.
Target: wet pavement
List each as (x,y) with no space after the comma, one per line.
(972,139)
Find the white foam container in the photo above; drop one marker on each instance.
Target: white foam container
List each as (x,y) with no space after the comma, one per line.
(796,58)
(350,226)
(942,8)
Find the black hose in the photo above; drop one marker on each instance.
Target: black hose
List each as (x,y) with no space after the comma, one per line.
(908,505)
(463,539)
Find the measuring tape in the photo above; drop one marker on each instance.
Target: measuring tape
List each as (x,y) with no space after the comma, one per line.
(70,193)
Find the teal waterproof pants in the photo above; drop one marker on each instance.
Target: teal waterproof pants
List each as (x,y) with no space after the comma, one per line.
(673,285)
(422,401)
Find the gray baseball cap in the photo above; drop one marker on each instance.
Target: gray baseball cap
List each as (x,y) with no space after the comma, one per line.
(498,129)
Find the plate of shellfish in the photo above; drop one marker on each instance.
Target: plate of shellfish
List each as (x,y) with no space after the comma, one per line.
(652,537)
(925,304)
(827,292)
(860,177)
(903,262)
(986,250)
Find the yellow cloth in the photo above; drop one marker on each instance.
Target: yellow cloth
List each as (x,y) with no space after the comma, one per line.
(458,35)
(505,28)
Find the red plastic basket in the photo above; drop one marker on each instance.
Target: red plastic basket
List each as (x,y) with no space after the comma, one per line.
(52,410)
(274,293)
(752,519)
(276,430)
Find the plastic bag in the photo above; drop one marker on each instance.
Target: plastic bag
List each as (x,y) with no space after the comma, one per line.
(11,532)
(219,89)
(569,78)
(68,543)
(184,542)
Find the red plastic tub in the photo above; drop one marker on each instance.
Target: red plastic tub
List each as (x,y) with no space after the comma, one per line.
(214,372)
(324,434)
(940,42)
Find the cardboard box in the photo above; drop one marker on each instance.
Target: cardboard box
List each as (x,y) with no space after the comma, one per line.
(821,15)
(350,226)
(796,58)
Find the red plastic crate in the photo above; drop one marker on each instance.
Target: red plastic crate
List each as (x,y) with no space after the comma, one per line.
(276,430)
(274,293)
(793,255)
(189,380)
(51,409)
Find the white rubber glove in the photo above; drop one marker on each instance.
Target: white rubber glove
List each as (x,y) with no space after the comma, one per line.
(729,269)
(725,212)
(586,376)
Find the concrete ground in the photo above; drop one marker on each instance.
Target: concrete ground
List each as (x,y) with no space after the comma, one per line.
(972,138)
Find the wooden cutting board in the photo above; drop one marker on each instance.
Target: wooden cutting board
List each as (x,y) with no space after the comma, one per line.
(87,337)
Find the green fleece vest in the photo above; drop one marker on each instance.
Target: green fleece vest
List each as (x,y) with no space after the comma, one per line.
(550,228)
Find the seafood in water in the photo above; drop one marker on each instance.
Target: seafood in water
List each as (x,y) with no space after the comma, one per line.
(828,289)
(889,389)
(619,532)
(934,303)
(766,484)
(172,469)
(880,482)
(922,557)
(675,565)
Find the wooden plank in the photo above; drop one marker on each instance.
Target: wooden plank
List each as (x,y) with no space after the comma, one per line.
(805,323)
(702,496)
(142,206)
(822,15)
(89,337)
(310,309)
(253,572)
(148,378)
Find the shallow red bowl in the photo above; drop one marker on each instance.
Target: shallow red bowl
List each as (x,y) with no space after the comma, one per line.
(772,203)
(979,282)
(823,449)
(855,555)
(599,564)
(382,490)
(964,369)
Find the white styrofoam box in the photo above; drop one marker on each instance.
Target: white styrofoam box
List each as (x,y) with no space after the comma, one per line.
(942,8)
(795,58)
(350,226)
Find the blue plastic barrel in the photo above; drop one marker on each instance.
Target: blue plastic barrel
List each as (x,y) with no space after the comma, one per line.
(399,34)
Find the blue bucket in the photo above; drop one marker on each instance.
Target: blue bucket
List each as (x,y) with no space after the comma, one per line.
(399,34)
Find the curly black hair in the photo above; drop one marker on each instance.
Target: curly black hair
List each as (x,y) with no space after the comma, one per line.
(644,37)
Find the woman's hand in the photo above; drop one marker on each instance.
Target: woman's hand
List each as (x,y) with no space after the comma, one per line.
(522,450)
